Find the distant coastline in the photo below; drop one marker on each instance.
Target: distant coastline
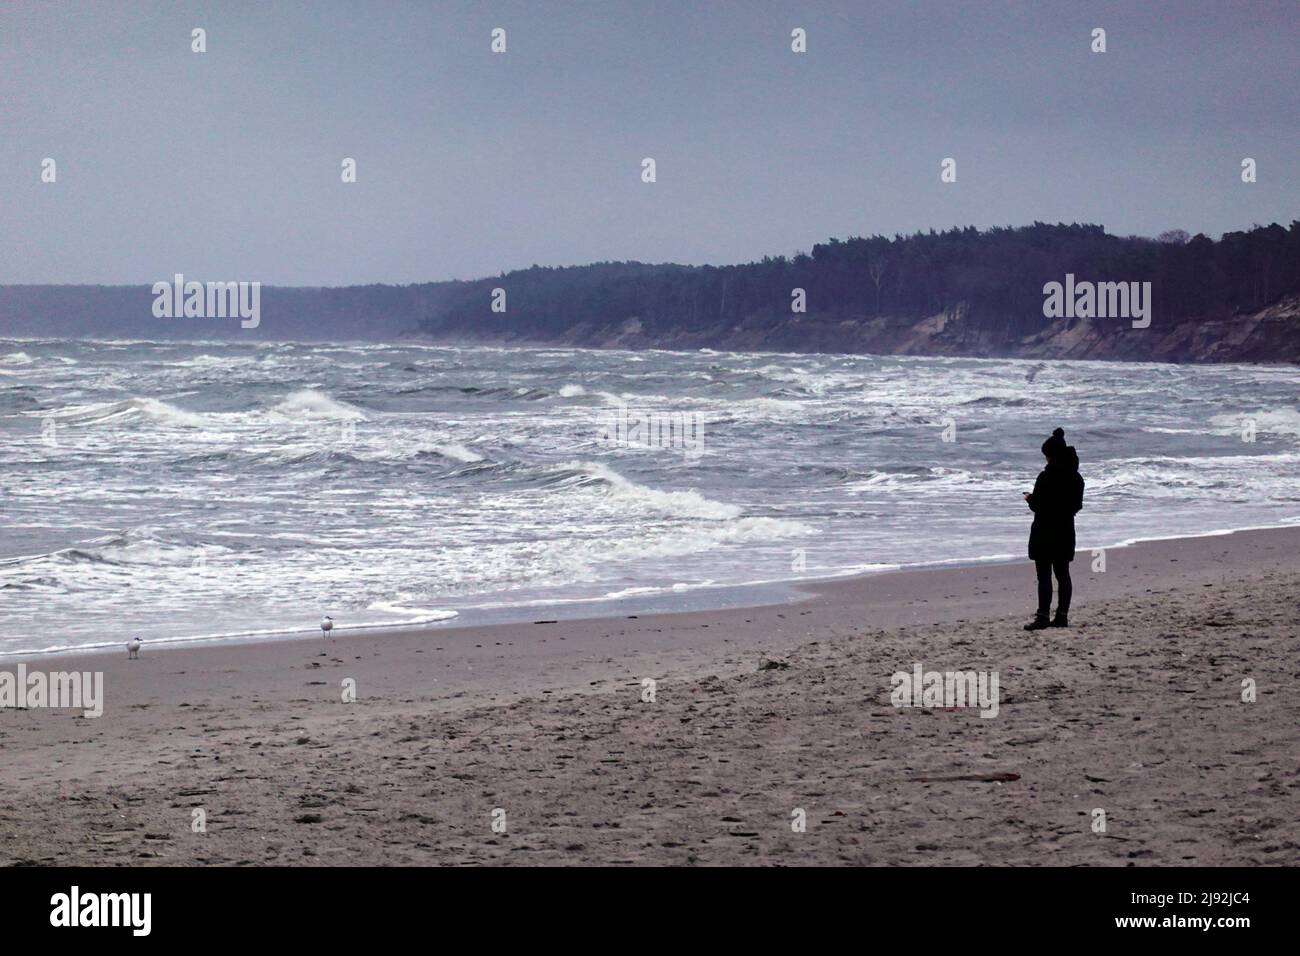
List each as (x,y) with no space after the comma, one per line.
(962,292)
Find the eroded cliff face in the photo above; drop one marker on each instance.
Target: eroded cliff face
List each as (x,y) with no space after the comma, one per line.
(387,314)
(1268,335)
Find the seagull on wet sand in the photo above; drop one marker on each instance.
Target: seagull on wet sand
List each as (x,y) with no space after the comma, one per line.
(326,625)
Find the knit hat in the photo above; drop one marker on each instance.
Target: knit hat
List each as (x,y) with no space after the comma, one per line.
(1054,447)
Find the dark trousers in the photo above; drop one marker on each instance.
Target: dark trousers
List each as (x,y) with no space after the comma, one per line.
(1063,585)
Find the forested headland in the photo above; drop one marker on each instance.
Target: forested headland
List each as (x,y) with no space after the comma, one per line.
(961,291)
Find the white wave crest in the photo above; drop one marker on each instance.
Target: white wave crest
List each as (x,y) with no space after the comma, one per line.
(410,615)
(458,451)
(307,403)
(131,409)
(689,504)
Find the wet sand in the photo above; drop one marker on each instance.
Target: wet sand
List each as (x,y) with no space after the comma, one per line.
(758,713)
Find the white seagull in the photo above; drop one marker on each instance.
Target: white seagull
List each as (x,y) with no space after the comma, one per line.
(326,625)
(133,649)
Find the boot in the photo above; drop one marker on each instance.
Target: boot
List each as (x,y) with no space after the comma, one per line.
(1038,623)
(1062,619)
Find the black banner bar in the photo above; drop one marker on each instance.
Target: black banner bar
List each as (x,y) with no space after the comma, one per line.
(319,904)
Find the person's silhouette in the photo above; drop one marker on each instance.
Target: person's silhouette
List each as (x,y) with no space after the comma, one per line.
(1055,500)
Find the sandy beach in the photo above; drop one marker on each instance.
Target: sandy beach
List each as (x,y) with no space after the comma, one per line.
(1136,710)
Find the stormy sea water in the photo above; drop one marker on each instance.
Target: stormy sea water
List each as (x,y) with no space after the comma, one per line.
(208,490)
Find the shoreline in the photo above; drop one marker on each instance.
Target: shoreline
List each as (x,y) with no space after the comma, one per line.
(750,595)
(1135,708)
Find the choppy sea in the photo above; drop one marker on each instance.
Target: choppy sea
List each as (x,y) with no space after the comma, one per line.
(214,490)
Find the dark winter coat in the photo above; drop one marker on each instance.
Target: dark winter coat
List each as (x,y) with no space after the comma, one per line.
(1057,498)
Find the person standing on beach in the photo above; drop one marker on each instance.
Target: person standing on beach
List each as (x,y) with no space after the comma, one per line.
(1057,497)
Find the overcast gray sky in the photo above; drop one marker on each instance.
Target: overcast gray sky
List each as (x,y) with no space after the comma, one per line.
(226,164)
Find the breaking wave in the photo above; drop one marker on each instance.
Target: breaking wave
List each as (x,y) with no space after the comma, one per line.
(131,409)
(309,404)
